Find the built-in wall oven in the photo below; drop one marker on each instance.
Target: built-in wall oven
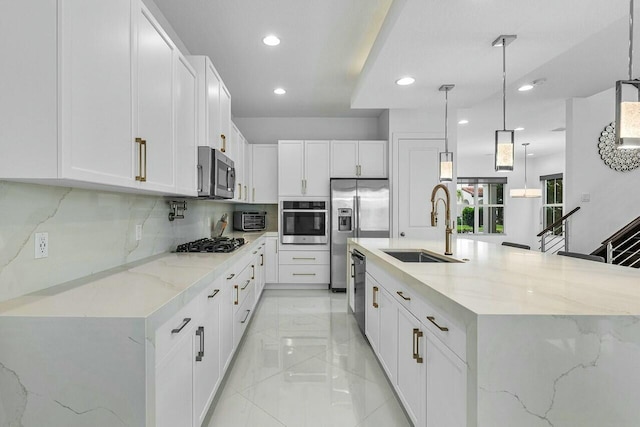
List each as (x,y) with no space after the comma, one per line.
(304,222)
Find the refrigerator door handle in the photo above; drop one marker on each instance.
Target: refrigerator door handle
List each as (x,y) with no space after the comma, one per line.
(358,215)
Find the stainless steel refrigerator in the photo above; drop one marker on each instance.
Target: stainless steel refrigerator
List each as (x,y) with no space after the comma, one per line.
(359,208)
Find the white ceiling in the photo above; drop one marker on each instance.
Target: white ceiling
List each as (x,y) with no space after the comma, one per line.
(579,46)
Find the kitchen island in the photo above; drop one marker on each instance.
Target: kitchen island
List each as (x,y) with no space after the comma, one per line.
(505,336)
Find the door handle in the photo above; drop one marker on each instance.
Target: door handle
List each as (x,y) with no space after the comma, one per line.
(303,274)
(245,285)
(353,270)
(253,272)
(240,191)
(237,294)
(433,320)
(417,334)
(215,292)
(231,276)
(246,317)
(246,196)
(200,177)
(261,259)
(224,143)
(375,295)
(141,177)
(200,333)
(253,199)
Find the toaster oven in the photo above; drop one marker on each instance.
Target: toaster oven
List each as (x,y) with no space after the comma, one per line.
(249,221)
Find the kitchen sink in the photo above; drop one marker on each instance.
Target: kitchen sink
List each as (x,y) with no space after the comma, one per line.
(416,255)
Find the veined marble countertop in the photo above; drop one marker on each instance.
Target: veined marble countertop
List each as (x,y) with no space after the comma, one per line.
(499,280)
(135,290)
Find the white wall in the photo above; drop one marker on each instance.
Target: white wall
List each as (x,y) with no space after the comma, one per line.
(268,130)
(614,198)
(89,231)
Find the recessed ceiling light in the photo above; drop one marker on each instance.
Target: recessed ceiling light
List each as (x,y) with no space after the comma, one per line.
(271,40)
(463,122)
(525,87)
(519,129)
(405,81)
(279,91)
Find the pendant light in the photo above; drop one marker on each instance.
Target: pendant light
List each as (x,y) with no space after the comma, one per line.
(525,192)
(446,157)
(628,102)
(504,138)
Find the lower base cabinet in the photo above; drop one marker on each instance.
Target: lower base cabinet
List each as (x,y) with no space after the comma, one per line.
(428,376)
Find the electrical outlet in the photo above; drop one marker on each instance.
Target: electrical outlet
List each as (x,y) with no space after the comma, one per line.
(41,245)
(138,232)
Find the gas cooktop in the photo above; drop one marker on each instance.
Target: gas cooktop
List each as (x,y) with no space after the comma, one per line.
(216,244)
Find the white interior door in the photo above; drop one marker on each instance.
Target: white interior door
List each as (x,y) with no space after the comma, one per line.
(418,174)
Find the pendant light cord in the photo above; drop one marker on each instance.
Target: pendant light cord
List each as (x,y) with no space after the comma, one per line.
(504,83)
(446,118)
(631,39)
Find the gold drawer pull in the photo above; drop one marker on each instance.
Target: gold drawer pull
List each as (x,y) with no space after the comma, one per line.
(433,320)
(417,334)
(231,276)
(245,285)
(237,294)
(224,143)
(402,296)
(375,299)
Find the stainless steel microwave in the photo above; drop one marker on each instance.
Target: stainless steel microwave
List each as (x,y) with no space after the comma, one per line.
(304,222)
(216,174)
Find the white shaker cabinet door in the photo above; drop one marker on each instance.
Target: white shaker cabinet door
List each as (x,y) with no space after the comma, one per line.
(226,317)
(372,312)
(291,168)
(95,91)
(316,167)
(388,334)
(185,114)
(264,175)
(411,379)
(271,260)
(372,159)
(446,385)
(225,116)
(344,159)
(213,128)
(154,113)
(174,384)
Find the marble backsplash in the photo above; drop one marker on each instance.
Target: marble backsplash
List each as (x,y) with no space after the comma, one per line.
(90,231)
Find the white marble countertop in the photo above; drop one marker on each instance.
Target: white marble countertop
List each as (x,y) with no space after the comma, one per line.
(135,290)
(499,280)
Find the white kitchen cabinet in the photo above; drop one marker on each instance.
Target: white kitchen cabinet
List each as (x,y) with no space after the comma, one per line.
(227,294)
(359,159)
(446,396)
(388,333)
(303,168)
(411,378)
(154,103)
(174,383)
(206,368)
(236,153)
(372,312)
(248,167)
(186,152)
(264,173)
(214,105)
(271,260)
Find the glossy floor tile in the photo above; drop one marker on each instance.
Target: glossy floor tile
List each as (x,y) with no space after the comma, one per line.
(303,362)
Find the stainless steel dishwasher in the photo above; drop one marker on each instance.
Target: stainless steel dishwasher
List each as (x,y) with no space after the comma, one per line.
(359,269)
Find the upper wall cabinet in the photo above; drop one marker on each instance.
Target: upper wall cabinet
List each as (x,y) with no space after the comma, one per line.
(303,168)
(264,173)
(93,102)
(359,159)
(186,124)
(214,105)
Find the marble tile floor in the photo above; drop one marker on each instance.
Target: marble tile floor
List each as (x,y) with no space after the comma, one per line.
(304,363)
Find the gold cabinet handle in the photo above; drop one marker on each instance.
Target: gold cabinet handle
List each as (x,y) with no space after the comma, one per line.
(246,195)
(237,294)
(245,285)
(253,272)
(253,198)
(417,334)
(240,191)
(231,276)
(433,320)
(224,143)
(375,297)
(402,296)
(215,292)
(142,143)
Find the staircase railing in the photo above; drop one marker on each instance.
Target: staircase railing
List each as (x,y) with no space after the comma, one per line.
(623,247)
(555,237)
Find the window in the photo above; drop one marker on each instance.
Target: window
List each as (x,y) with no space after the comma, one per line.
(481,205)
(552,202)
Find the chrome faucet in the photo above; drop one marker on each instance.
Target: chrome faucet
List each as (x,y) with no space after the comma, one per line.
(434,214)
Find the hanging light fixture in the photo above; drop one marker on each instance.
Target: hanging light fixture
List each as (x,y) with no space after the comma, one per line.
(628,102)
(504,137)
(525,192)
(446,157)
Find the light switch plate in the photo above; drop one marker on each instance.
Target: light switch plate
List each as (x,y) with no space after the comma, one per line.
(41,245)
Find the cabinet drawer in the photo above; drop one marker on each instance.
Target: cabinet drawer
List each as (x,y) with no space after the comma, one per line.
(242,285)
(304,274)
(242,316)
(173,330)
(454,337)
(304,257)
